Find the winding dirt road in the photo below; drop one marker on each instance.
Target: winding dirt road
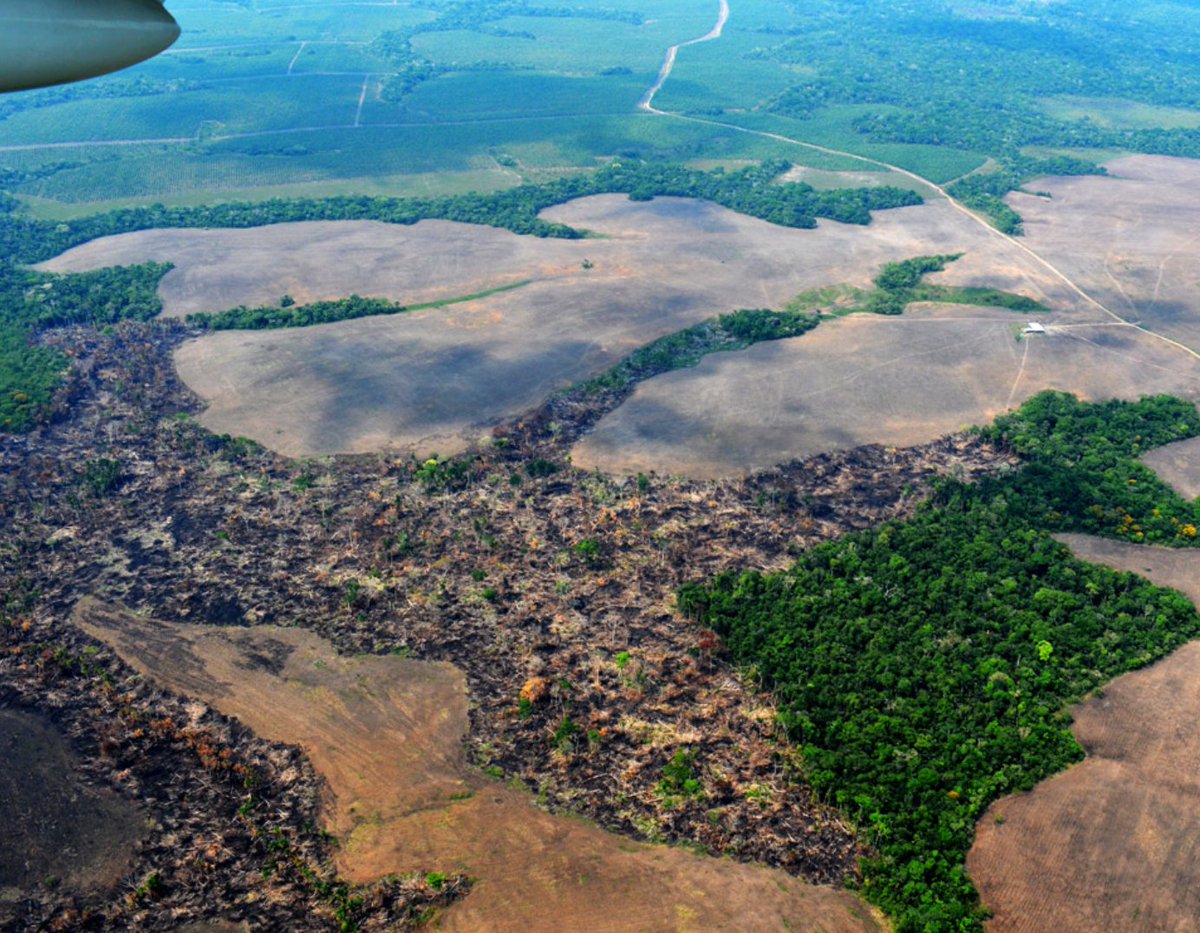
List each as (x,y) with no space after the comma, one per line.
(646,104)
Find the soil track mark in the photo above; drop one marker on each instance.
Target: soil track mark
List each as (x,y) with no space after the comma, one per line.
(1112,843)
(386,734)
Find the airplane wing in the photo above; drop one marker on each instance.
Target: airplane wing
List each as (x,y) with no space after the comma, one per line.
(44,42)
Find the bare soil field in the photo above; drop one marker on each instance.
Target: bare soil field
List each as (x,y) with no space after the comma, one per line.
(865,379)
(1131,239)
(58,830)
(1178,464)
(1112,843)
(432,380)
(386,735)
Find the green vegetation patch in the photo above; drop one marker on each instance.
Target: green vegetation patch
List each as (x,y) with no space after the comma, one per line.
(325,312)
(925,666)
(749,191)
(34,301)
(734,331)
(901,284)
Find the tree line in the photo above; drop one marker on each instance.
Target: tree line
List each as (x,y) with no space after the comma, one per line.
(925,666)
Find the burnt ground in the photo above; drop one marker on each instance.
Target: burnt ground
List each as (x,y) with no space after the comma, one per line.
(552,592)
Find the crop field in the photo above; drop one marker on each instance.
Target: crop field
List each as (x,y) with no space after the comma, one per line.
(267,97)
(386,734)
(349,83)
(1111,843)
(445,159)
(1119,114)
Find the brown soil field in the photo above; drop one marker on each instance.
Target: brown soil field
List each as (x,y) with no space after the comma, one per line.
(1130,239)
(386,734)
(431,380)
(58,830)
(1178,464)
(865,379)
(1112,843)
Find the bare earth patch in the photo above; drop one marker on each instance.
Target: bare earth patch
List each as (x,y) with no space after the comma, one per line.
(863,379)
(1178,465)
(1130,239)
(1112,843)
(386,734)
(433,380)
(58,831)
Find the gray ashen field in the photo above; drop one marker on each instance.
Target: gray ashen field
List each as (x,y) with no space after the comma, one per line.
(1132,239)
(432,380)
(907,380)
(865,379)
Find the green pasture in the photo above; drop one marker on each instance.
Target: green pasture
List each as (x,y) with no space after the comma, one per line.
(375,159)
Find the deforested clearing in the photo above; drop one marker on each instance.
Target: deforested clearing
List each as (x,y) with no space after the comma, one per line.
(386,735)
(1129,239)
(1178,465)
(1112,843)
(867,379)
(1124,239)
(433,380)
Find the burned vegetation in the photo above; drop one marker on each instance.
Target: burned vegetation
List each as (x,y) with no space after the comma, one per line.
(551,588)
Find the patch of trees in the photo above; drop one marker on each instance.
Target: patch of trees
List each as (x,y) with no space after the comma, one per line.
(734,331)
(979,83)
(925,666)
(1084,473)
(753,191)
(902,283)
(34,301)
(289,314)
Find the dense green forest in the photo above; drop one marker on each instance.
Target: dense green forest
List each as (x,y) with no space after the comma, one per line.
(924,666)
(753,191)
(1084,475)
(33,301)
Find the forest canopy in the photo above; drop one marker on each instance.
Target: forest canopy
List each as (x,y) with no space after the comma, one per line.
(924,667)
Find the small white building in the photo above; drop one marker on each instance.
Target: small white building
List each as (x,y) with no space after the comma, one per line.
(1033,327)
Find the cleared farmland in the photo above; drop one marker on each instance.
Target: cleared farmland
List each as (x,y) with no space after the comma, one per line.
(1130,239)
(385,733)
(904,381)
(1179,465)
(433,380)
(1112,843)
